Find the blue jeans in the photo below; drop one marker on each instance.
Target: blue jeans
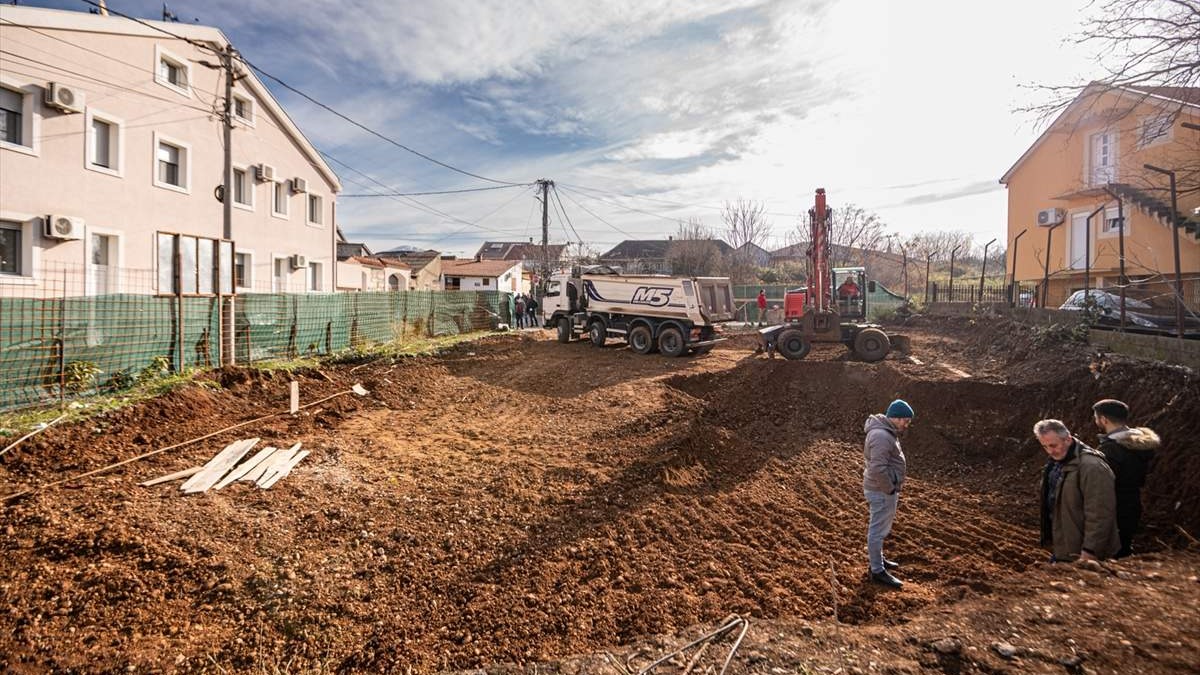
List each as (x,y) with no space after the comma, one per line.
(883,512)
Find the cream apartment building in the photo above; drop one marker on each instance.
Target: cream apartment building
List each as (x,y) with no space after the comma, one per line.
(111,155)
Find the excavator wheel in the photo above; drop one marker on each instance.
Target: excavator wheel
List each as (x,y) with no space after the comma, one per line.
(792,344)
(872,344)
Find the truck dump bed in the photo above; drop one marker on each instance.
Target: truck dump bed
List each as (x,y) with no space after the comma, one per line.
(660,296)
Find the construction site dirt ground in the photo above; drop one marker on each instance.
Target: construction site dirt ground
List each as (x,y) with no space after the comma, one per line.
(519,505)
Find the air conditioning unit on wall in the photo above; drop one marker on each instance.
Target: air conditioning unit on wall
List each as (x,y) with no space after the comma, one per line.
(299,185)
(63,227)
(1050,217)
(265,173)
(299,262)
(66,99)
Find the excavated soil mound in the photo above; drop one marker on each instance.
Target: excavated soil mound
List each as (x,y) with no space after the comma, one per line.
(517,500)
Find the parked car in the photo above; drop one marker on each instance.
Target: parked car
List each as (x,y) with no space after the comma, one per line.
(1139,314)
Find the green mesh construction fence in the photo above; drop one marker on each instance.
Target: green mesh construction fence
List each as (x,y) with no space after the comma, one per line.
(880,300)
(58,348)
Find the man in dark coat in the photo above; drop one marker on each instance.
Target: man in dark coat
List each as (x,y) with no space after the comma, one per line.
(1129,453)
(1077,498)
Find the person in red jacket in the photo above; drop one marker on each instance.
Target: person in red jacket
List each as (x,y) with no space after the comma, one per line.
(762,305)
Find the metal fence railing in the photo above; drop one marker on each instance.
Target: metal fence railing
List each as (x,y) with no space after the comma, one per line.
(66,335)
(881,300)
(1007,293)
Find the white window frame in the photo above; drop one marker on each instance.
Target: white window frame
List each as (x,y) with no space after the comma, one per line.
(89,282)
(1110,215)
(31,118)
(116,144)
(287,196)
(249,269)
(251,106)
(248,175)
(163,54)
(185,164)
(1089,177)
(31,227)
(287,279)
(1146,121)
(313,277)
(308,211)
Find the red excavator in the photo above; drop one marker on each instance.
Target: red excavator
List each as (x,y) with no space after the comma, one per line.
(832,308)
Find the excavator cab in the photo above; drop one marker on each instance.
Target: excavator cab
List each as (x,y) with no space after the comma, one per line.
(850,284)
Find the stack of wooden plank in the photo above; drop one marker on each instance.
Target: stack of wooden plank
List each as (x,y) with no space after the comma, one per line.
(265,468)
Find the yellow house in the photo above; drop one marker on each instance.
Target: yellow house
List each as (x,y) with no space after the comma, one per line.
(1090,162)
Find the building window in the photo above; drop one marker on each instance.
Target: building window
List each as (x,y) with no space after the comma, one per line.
(103,143)
(168,164)
(172,72)
(193,265)
(487,282)
(243,109)
(12,116)
(172,160)
(1155,128)
(314,276)
(453,283)
(10,248)
(314,209)
(243,191)
(279,199)
(243,263)
(1112,224)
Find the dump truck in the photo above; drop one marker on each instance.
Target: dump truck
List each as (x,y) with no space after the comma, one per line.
(667,314)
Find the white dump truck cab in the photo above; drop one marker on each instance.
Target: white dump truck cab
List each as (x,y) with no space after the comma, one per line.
(671,315)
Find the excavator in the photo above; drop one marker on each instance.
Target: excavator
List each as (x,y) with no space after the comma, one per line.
(832,307)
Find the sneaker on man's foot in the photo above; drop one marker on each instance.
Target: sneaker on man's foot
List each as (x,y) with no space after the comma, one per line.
(886,579)
(890,564)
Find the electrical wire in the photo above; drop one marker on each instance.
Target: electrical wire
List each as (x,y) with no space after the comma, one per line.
(438,192)
(563,211)
(240,57)
(592,214)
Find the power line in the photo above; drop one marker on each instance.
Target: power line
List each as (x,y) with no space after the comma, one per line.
(439,192)
(592,214)
(668,201)
(622,206)
(314,101)
(563,211)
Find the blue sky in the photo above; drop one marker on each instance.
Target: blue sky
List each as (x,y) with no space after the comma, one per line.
(906,109)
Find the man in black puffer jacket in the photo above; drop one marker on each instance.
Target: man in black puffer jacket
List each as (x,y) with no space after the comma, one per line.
(1130,453)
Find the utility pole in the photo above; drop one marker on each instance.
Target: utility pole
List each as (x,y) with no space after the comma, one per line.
(545,185)
(227,310)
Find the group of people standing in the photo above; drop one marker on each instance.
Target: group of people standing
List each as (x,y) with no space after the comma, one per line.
(1090,499)
(524,311)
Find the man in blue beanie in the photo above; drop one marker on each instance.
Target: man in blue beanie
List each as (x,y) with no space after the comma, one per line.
(882,479)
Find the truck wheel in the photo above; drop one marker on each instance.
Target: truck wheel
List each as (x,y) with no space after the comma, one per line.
(670,342)
(597,332)
(872,344)
(641,341)
(792,345)
(564,330)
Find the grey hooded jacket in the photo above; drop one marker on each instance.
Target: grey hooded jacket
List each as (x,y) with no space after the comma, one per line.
(885,468)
